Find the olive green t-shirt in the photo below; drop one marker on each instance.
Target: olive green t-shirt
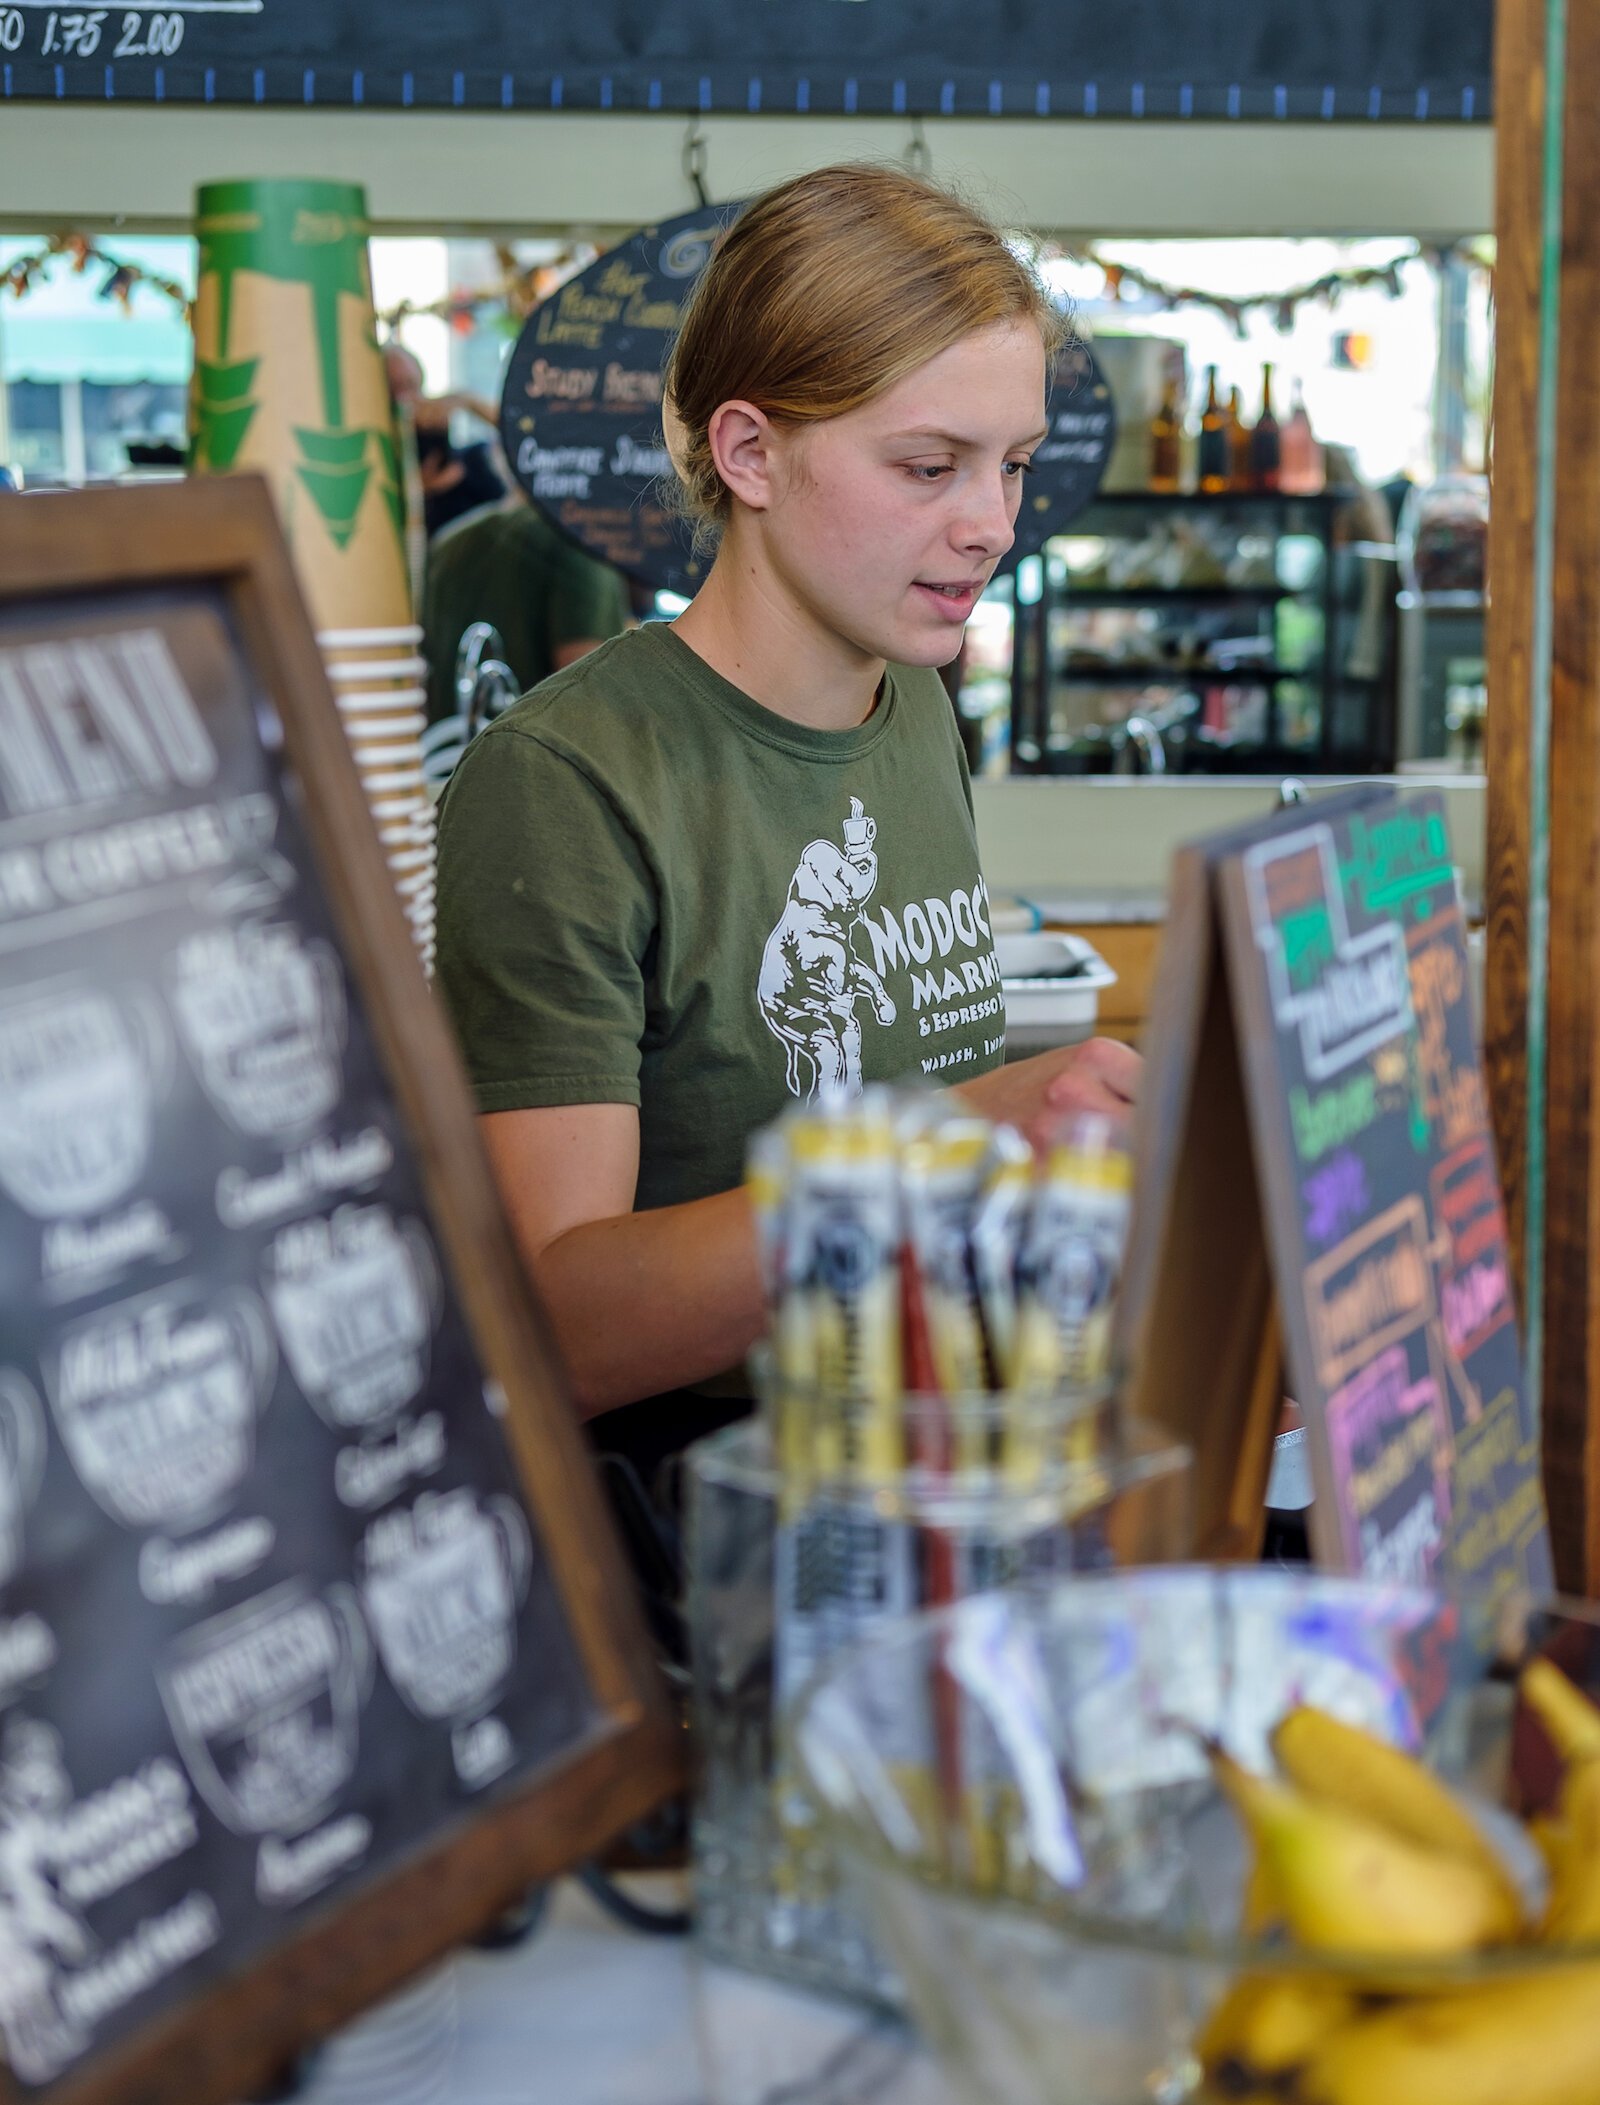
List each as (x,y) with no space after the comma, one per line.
(654,891)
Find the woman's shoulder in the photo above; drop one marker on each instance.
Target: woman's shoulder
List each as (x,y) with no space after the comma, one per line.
(601,717)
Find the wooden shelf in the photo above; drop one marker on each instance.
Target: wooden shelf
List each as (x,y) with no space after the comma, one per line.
(1072,595)
(1157,675)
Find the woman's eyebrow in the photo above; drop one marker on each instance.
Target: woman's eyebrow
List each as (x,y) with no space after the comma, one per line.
(952,438)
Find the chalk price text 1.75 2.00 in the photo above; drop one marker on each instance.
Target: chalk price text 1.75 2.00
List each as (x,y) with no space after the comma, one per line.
(87,32)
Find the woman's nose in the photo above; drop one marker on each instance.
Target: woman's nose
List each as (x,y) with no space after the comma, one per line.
(989,527)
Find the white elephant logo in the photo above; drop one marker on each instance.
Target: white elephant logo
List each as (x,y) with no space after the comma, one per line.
(811,980)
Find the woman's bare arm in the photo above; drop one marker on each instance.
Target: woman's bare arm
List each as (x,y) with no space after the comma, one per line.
(640,1302)
(645,1302)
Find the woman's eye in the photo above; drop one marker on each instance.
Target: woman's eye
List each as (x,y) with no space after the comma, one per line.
(1018,468)
(919,473)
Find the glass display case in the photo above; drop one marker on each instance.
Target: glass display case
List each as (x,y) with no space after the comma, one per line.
(1187,634)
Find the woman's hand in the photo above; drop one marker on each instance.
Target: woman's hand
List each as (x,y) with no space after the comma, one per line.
(1099,1075)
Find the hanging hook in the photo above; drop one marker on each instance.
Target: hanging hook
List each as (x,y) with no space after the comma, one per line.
(694,161)
(918,156)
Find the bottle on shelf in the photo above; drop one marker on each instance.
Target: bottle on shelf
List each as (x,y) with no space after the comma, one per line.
(1238,443)
(1166,442)
(1302,470)
(1266,441)
(1213,440)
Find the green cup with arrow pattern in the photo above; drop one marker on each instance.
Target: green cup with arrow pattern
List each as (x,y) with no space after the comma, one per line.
(289,381)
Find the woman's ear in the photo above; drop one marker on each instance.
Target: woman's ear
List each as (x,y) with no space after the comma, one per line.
(744,445)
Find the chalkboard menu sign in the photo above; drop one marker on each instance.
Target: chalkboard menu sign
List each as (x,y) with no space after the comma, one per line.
(1318,1112)
(1364,60)
(313,1650)
(580,413)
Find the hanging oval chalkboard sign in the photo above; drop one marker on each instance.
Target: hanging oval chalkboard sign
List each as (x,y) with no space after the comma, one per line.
(1070,461)
(580,416)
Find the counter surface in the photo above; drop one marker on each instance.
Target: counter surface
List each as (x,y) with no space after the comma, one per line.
(588,2013)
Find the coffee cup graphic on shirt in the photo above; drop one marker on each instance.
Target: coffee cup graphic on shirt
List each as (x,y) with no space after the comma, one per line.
(354,1296)
(261,1014)
(265,1705)
(156,1400)
(80,1072)
(21,1465)
(441,1583)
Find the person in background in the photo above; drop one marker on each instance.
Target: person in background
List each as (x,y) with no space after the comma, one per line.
(455,479)
(507,565)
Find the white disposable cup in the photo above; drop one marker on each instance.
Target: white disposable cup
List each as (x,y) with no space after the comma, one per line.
(381,730)
(361,639)
(402,753)
(380,701)
(367,671)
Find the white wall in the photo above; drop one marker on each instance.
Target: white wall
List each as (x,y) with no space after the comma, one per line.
(91,165)
(1098,848)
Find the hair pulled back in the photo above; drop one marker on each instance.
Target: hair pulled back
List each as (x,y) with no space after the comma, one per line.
(822,294)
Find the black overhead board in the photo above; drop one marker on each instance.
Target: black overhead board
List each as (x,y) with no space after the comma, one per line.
(1270,59)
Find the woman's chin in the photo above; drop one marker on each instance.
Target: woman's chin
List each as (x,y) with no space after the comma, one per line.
(926,647)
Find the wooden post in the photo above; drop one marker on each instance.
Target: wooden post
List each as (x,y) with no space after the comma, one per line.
(1571,1246)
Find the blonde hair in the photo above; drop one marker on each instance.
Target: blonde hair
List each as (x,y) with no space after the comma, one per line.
(822,294)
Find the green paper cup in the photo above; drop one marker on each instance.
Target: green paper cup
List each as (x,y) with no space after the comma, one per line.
(289,382)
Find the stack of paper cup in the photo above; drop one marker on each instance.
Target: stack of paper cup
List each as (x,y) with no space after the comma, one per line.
(378,678)
(289,381)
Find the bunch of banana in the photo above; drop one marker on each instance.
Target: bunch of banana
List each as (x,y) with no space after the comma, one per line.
(1363,1853)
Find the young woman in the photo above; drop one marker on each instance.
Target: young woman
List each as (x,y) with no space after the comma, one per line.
(729,862)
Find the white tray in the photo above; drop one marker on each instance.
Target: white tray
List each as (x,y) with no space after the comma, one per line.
(1054,980)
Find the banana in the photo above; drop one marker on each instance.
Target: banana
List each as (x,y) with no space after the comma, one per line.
(1347,1885)
(1530,2040)
(1265,2026)
(1260,1911)
(1572,1844)
(1342,1765)
(1571,1721)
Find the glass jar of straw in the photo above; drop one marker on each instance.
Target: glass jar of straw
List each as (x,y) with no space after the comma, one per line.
(817,1524)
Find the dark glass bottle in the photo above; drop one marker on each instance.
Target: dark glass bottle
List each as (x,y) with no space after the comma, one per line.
(1238,443)
(1213,440)
(1266,441)
(1166,441)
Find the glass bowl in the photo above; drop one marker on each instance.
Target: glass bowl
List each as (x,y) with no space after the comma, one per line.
(1058,1880)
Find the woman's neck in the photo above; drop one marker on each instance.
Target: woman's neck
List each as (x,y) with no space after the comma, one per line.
(751,630)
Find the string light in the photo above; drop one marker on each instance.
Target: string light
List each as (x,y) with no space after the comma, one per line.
(1123,279)
(521,289)
(122,280)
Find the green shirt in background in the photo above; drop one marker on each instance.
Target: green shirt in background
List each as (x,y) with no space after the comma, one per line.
(509,566)
(653,891)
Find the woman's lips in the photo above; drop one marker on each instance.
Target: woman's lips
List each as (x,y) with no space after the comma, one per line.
(954,602)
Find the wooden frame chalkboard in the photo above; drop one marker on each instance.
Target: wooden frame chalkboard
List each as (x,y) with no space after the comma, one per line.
(593,1740)
(1548,1138)
(1316,1194)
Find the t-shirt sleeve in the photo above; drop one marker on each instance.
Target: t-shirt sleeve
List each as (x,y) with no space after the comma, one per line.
(545,911)
(587,600)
